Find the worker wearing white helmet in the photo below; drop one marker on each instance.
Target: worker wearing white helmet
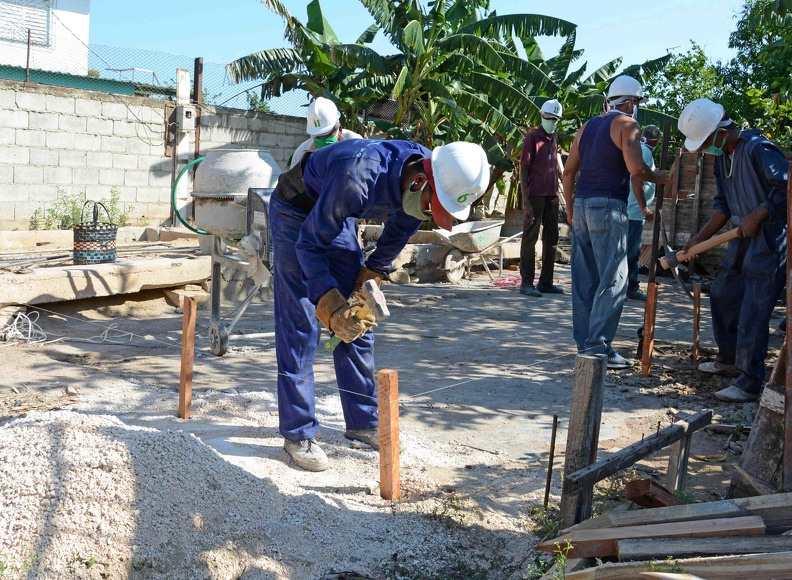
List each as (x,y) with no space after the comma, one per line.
(539,164)
(323,124)
(751,176)
(319,264)
(605,154)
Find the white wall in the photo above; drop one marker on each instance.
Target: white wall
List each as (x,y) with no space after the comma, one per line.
(68,40)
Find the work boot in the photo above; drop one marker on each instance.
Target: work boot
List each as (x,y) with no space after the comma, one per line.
(639,295)
(549,289)
(368,436)
(307,454)
(528,289)
(734,394)
(617,361)
(717,368)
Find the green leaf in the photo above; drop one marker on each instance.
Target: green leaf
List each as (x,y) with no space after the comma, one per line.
(401,82)
(474,46)
(650,67)
(520,25)
(356,56)
(413,37)
(605,72)
(368,35)
(527,75)
(318,24)
(506,96)
(261,64)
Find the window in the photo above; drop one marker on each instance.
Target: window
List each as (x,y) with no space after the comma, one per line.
(19,16)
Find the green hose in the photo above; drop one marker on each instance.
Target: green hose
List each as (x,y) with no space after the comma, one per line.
(173,198)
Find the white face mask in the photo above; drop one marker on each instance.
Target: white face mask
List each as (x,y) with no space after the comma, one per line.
(635,111)
(549,125)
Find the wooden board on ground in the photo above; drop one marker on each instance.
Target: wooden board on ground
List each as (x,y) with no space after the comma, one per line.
(604,542)
(776,510)
(754,566)
(662,548)
(649,494)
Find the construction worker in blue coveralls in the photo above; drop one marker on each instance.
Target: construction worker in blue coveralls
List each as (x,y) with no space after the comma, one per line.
(751,176)
(319,266)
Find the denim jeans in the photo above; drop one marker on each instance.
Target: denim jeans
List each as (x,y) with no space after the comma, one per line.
(599,272)
(634,232)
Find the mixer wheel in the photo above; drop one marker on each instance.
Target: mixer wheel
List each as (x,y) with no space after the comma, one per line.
(218,338)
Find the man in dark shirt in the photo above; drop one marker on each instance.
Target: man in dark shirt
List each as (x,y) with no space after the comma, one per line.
(751,176)
(539,184)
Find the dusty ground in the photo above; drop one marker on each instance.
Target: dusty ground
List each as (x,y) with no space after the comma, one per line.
(482,371)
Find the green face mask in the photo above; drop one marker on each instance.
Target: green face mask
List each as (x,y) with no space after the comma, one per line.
(713,149)
(325,141)
(412,203)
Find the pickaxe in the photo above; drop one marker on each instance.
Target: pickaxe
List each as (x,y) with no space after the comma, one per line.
(373,302)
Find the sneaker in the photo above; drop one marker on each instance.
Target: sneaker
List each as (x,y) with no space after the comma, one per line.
(368,436)
(549,289)
(733,394)
(617,361)
(307,454)
(717,368)
(639,295)
(530,290)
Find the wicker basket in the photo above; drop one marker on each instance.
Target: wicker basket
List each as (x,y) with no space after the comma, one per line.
(94,242)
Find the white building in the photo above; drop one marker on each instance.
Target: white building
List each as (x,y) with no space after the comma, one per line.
(58,34)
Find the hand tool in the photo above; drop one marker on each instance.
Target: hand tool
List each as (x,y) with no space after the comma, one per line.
(373,303)
(673,259)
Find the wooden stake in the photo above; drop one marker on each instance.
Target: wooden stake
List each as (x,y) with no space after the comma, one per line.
(588,386)
(696,319)
(787,473)
(390,465)
(650,314)
(187,358)
(550,460)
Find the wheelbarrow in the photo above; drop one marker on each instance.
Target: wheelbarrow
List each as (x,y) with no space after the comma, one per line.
(470,242)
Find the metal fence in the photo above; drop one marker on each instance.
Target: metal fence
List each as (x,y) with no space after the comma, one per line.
(38,45)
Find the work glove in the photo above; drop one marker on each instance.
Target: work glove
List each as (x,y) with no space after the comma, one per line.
(339,317)
(366,274)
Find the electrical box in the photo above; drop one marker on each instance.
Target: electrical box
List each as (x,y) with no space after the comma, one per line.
(185,118)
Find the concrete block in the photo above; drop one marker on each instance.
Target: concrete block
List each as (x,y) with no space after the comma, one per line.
(111,176)
(85,176)
(175,297)
(58,175)
(139,147)
(31,101)
(72,124)
(88,142)
(7,136)
(14,119)
(160,179)
(27,174)
(30,138)
(69,158)
(101,159)
(257,125)
(64,105)
(154,163)
(127,194)
(111,110)
(6,175)
(288,142)
(24,209)
(16,193)
(237,122)
(97,192)
(151,194)
(114,144)
(88,107)
(61,140)
(98,126)
(136,178)
(7,99)
(42,193)
(44,121)
(126,129)
(44,156)
(125,161)
(15,155)
(268,140)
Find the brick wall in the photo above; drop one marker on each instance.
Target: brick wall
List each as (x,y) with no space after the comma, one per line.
(56,140)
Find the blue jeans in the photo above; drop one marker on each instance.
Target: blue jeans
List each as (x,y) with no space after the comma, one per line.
(634,232)
(599,272)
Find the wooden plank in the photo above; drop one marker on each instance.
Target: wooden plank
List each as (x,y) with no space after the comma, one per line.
(696,318)
(775,510)
(632,550)
(588,386)
(697,206)
(187,358)
(649,494)
(629,455)
(650,314)
(603,543)
(390,461)
(754,484)
(754,566)
(571,565)
(679,453)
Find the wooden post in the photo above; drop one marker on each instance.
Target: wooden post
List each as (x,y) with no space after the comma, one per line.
(696,201)
(588,387)
(678,455)
(787,479)
(650,315)
(187,358)
(390,465)
(696,319)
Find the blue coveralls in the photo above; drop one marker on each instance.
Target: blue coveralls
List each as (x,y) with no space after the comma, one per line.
(752,275)
(317,250)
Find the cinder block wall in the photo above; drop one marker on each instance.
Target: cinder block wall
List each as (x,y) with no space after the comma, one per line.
(54,139)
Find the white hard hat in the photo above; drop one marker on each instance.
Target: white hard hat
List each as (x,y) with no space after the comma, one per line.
(322,116)
(552,108)
(625,86)
(461,176)
(698,121)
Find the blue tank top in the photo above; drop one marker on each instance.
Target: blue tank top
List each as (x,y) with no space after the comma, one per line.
(603,172)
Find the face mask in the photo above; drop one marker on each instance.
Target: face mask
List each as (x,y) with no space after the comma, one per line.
(325,141)
(412,203)
(549,125)
(716,150)
(635,111)
(650,147)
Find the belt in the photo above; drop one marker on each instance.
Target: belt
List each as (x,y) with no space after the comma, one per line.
(291,187)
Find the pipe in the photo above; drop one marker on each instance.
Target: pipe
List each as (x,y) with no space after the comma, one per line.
(175,208)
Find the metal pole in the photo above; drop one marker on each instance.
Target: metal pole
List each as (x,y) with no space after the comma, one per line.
(550,461)
(27,65)
(197,98)
(787,481)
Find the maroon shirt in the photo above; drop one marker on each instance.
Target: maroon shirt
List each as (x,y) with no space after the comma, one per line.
(540,154)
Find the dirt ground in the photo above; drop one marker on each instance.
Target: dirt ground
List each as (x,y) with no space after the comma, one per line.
(482,371)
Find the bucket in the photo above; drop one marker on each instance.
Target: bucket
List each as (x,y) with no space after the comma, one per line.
(94,242)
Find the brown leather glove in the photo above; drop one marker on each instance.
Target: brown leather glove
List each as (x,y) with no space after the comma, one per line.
(338,317)
(366,274)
